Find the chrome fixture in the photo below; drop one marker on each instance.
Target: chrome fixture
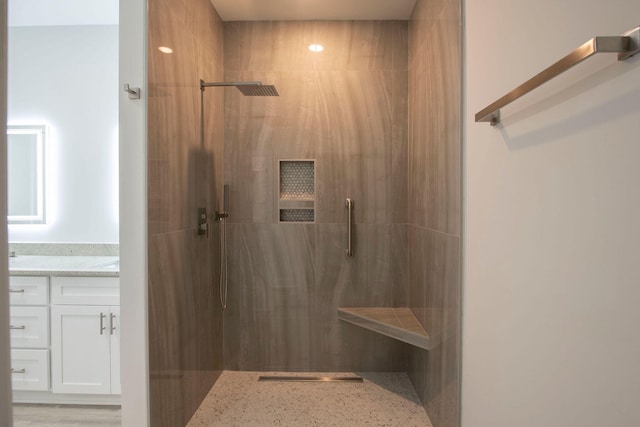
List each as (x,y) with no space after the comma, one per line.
(16,291)
(18,371)
(134,92)
(17,327)
(247,88)
(625,46)
(349,205)
(225,204)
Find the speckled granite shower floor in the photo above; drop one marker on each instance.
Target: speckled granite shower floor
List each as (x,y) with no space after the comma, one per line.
(239,399)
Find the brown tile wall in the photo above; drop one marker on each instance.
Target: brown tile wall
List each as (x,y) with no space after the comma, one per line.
(434,188)
(346,108)
(184,173)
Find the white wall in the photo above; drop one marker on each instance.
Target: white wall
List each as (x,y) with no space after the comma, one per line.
(6,416)
(62,12)
(134,310)
(67,77)
(552,221)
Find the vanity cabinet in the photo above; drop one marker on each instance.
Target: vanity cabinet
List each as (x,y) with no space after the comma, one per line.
(29,332)
(85,335)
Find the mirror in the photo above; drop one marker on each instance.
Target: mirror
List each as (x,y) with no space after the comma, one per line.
(25,151)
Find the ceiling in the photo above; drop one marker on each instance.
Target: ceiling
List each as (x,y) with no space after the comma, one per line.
(105,12)
(27,13)
(280,10)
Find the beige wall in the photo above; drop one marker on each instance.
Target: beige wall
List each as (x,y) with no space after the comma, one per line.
(346,108)
(434,188)
(552,208)
(184,173)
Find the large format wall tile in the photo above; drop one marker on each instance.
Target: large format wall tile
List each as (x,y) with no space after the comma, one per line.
(435,149)
(343,120)
(283,45)
(285,285)
(173,314)
(271,278)
(345,108)
(185,168)
(365,280)
(261,130)
(434,200)
(435,299)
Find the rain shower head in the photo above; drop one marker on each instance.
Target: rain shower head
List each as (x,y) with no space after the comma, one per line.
(258,90)
(247,88)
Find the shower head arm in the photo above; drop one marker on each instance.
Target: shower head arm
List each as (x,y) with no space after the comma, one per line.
(204,84)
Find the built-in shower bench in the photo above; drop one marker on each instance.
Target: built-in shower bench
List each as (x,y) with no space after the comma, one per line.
(395,322)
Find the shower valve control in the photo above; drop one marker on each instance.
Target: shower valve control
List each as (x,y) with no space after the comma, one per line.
(203,226)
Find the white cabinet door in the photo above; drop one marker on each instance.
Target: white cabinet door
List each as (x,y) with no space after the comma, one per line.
(80,349)
(115,350)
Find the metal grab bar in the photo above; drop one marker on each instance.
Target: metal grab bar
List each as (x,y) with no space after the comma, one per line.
(349,206)
(625,46)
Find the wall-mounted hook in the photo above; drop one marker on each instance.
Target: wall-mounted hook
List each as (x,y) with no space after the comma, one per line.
(134,92)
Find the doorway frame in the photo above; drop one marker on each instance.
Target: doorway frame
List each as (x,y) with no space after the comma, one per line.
(134,353)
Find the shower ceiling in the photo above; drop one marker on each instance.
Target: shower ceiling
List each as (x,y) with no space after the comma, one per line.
(285,10)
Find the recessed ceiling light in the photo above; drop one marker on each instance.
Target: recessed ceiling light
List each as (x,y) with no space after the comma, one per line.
(165,49)
(316,48)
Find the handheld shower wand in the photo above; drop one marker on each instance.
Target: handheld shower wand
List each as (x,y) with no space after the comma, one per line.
(222,217)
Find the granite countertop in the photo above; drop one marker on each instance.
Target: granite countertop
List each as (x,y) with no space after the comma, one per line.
(47,265)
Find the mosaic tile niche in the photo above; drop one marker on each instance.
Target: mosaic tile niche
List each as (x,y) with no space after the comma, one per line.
(297,191)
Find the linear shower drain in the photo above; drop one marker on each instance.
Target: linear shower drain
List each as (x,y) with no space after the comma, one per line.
(285,378)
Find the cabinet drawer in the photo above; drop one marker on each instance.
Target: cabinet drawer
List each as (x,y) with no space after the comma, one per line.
(29,326)
(85,290)
(27,290)
(30,369)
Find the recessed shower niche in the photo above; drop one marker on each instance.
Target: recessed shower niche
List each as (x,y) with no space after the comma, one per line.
(297,190)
